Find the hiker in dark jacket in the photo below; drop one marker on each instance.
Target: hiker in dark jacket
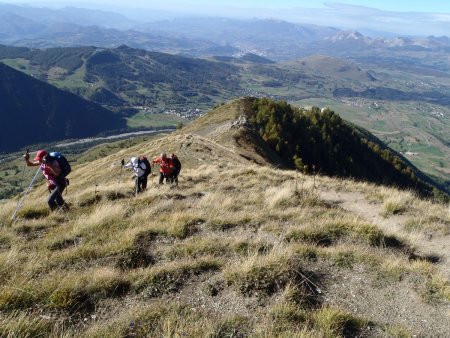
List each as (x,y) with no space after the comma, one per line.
(141,170)
(176,168)
(55,182)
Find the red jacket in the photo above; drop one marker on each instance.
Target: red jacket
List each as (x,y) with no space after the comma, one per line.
(165,165)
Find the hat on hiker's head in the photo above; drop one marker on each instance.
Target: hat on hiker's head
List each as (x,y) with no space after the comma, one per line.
(134,161)
(40,155)
(163,155)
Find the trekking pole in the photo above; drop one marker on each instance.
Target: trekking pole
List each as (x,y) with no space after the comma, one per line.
(19,204)
(23,170)
(136,186)
(120,175)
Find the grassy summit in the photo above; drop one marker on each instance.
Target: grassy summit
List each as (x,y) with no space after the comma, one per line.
(241,248)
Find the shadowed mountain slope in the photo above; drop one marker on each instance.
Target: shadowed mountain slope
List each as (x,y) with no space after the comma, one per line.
(32,111)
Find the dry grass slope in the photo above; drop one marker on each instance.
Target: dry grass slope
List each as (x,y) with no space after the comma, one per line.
(237,249)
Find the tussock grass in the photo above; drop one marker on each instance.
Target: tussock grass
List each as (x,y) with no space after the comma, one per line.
(137,254)
(332,322)
(17,324)
(291,193)
(215,246)
(19,297)
(437,288)
(265,275)
(68,251)
(35,212)
(394,268)
(397,203)
(235,326)
(282,196)
(70,292)
(286,317)
(398,331)
(65,243)
(89,200)
(81,292)
(231,221)
(5,241)
(414,225)
(7,209)
(204,173)
(435,218)
(155,320)
(180,225)
(216,201)
(327,232)
(200,247)
(34,228)
(161,280)
(101,217)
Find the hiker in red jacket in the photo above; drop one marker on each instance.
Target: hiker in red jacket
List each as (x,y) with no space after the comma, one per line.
(165,167)
(52,171)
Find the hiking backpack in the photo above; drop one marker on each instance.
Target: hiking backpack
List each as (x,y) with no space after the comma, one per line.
(148,168)
(62,161)
(176,162)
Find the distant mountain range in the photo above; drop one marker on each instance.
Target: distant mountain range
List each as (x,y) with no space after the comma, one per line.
(32,111)
(274,39)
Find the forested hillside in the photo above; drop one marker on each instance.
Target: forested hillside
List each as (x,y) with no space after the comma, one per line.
(124,78)
(320,141)
(32,111)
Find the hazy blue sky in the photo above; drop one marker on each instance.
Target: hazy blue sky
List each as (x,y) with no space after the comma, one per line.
(430,6)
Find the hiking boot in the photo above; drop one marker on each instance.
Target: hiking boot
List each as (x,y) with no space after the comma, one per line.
(64,207)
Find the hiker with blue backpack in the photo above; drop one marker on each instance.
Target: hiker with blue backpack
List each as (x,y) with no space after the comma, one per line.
(55,168)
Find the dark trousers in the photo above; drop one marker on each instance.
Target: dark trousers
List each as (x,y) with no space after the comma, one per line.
(55,199)
(141,183)
(174,177)
(163,176)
